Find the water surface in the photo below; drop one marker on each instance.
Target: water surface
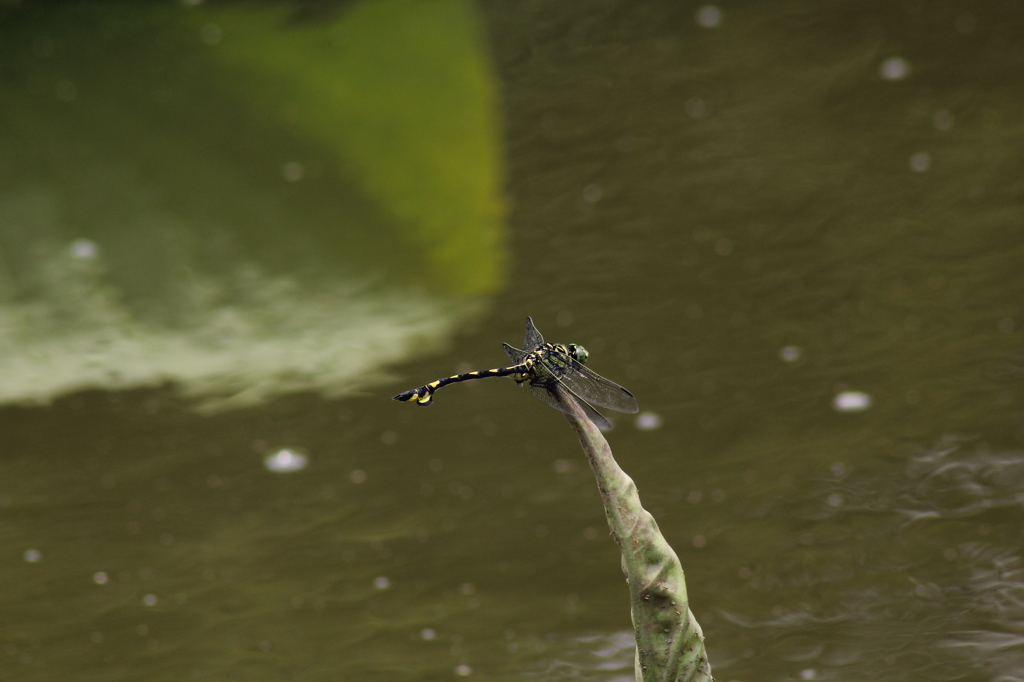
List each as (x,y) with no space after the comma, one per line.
(743,216)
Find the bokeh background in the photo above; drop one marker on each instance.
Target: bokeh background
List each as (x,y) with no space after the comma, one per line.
(231,231)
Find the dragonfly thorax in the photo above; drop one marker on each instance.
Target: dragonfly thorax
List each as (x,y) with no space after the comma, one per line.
(572,350)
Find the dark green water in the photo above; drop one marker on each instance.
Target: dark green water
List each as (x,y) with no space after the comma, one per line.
(740,221)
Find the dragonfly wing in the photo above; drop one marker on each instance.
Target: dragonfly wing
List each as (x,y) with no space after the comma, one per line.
(545,396)
(533,340)
(594,388)
(515,354)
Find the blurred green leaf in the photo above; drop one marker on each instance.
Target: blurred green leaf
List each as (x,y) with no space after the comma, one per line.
(404,92)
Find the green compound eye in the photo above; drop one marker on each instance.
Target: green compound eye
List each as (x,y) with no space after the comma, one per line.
(579,353)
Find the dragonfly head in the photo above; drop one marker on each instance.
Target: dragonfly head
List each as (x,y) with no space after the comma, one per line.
(578,353)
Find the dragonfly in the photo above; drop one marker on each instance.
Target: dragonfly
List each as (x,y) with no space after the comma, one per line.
(545,366)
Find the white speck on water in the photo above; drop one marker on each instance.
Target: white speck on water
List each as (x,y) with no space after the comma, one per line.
(808,674)
(834,500)
(852,401)
(33,556)
(965,23)
(894,69)
(428,634)
(211,34)
(100,578)
(463,671)
(943,120)
(563,466)
(920,162)
(285,460)
(65,91)
(293,171)
(85,249)
(150,600)
(648,421)
(381,583)
(709,16)
(696,107)
(789,353)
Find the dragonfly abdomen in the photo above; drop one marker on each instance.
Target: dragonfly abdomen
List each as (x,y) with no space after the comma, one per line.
(424,395)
